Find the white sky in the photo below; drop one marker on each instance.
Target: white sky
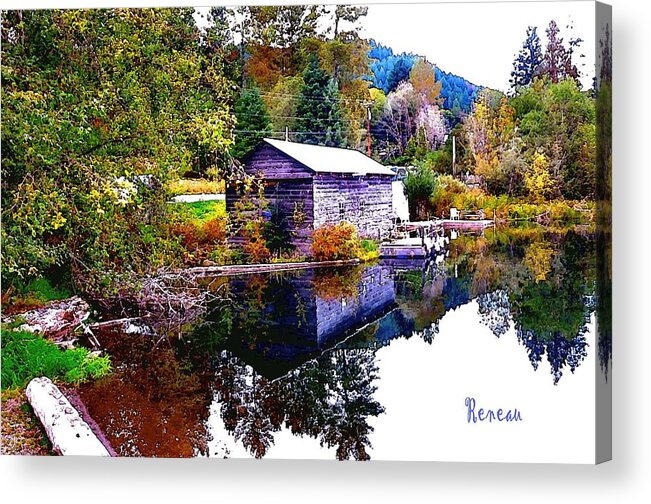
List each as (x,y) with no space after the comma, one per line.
(477,41)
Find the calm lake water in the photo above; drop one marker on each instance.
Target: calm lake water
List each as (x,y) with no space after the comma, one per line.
(376,361)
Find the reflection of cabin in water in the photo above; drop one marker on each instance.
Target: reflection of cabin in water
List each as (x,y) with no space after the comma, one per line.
(289,320)
(282,321)
(311,185)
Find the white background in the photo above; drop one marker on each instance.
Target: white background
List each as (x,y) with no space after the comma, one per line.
(627,479)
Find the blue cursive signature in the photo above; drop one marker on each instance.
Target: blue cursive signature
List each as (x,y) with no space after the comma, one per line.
(488,415)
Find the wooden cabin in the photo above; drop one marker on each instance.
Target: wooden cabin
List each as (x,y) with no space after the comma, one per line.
(312,185)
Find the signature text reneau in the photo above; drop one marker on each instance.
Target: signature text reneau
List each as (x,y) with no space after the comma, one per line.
(476,414)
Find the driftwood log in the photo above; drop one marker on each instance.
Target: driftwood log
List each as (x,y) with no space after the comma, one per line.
(67,431)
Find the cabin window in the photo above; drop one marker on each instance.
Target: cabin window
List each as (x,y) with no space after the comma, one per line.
(362,207)
(342,210)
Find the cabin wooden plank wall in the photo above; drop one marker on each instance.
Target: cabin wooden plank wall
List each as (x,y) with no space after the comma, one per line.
(365,201)
(288,187)
(294,198)
(275,164)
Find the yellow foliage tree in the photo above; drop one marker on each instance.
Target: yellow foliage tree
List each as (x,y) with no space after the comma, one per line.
(490,131)
(538,179)
(423,79)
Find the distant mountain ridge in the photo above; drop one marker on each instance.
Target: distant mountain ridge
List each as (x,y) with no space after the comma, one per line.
(389,69)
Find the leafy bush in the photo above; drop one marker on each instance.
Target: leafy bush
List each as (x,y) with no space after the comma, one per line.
(419,188)
(331,242)
(370,250)
(277,234)
(255,247)
(85,169)
(26,355)
(439,161)
(452,193)
(23,296)
(289,257)
(215,230)
(446,194)
(202,229)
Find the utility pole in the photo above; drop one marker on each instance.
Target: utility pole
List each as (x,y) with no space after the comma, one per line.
(368,127)
(242,56)
(454,155)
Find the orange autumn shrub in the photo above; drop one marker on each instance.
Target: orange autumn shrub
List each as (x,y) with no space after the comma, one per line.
(256,246)
(191,235)
(332,242)
(215,230)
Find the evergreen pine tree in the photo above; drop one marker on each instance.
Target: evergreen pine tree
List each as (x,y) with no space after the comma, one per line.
(399,73)
(318,108)
(253,121)
(334,136)
(527,61)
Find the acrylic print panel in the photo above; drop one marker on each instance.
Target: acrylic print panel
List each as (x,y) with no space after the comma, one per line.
(308,232)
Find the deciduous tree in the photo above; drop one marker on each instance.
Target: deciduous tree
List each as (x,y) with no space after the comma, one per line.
(100,109)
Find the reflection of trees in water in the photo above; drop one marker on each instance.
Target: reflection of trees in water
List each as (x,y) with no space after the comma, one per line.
(155,404)
(329,399)
(551,315)
(542,282)
(247,407)
(428,333)
(560,351)
(495,311)
(331,284)
(346,427)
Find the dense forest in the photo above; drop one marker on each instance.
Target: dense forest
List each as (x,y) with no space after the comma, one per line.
(104,109)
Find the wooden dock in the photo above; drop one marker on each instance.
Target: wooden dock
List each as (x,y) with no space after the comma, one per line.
(466,224)
(423,238)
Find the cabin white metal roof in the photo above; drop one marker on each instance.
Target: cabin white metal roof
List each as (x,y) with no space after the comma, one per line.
(330,159)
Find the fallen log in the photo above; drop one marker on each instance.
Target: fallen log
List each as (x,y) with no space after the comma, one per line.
(64,426)
(130,325)
(246,269)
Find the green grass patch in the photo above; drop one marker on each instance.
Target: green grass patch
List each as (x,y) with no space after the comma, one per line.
(21,296)
(44,291)
(202,211)
(26,355)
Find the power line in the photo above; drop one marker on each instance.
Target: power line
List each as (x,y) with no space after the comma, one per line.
(272,94)
(343,121)
(267,132)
